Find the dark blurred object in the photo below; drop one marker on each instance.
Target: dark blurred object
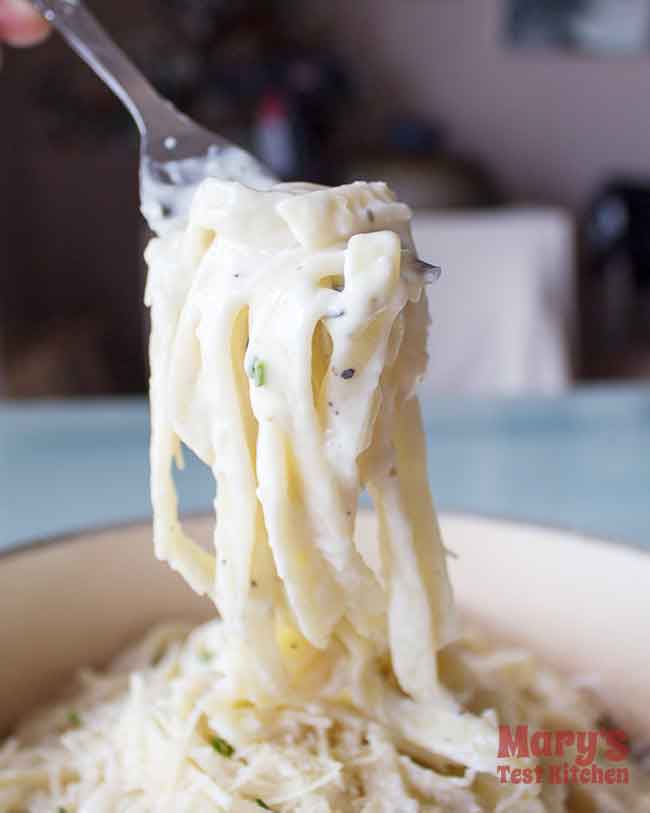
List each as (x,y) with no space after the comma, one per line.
(296,118)
(203,20)
(416,136)
(617,249)
(240,69)
(412,156)
(79,110)
(67,357)
(219,62)
(542,22)
(593,26)
(618,227)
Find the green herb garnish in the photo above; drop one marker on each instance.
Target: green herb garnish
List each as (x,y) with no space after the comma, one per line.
(205,655)
(222,747)
(259,373)
(61,810)
(261,803)
(73,718)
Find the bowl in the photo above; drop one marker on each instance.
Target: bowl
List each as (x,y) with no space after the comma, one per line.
(582,605)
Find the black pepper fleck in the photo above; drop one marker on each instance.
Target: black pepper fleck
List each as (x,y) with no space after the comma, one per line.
(347,373)
(605,721)
(253,583)
(371,215)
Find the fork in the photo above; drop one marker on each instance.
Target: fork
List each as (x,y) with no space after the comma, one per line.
(176,154)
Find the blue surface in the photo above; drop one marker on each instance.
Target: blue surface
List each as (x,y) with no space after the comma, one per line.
(580,461)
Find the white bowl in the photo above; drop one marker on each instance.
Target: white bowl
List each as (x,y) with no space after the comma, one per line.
(582,605)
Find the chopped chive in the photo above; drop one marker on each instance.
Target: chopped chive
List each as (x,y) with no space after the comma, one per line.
(259,373)
(205,655)
(61,810)
(73,718)
(222,747)
(261,803)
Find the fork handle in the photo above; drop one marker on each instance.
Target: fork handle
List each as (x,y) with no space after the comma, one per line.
(92,43)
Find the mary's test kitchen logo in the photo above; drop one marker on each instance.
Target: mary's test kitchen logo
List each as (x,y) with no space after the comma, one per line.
(569,757)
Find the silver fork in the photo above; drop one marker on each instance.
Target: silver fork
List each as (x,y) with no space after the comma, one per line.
(176,154)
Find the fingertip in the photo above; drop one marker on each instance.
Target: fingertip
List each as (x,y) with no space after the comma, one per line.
(20,25)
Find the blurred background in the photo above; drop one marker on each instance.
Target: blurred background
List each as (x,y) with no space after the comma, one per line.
(517,129)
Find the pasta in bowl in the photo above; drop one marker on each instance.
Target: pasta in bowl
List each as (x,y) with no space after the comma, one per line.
(94,595)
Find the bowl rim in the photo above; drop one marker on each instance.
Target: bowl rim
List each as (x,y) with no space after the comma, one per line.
(77,535)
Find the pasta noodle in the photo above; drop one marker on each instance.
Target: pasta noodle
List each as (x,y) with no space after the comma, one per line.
(310,289)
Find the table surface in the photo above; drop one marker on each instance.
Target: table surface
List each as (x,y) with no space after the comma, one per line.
(580,461)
